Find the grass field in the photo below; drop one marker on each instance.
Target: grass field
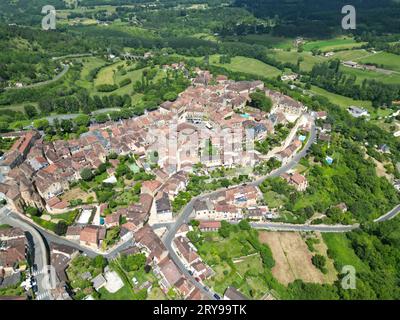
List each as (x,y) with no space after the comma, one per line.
(292,57)
(351,55)
(342,101)
(333,44)
(107,75)
(248,65)
(393,78)
(342,252)
(386,60)
(264,40)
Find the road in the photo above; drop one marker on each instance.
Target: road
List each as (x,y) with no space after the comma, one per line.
(37,246)
(49,237)
(38,84)
(71,116)
(390,215)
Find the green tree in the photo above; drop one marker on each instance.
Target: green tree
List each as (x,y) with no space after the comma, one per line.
(61,228)
(82,120)
(41,124)
(260,101)
(87,174)
(30,111)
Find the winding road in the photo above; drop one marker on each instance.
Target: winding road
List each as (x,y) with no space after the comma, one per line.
(39,84)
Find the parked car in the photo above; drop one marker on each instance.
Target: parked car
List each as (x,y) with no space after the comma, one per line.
(217,296)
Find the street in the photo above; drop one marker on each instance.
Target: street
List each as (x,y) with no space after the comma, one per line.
(38,247)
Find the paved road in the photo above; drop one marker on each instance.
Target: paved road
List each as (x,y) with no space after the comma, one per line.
(71,116)
(37,246)
(390,215)
(52,238)
(39,84)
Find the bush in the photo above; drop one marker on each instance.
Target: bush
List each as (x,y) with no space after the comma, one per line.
(319,261)
(125,82)
(33,211)
(106,87)
(61,228)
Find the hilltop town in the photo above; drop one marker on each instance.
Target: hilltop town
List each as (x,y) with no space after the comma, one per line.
(138,167)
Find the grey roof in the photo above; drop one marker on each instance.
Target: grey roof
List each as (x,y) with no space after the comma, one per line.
(99,281)
(233,294)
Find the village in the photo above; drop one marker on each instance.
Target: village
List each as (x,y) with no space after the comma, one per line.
(129,172)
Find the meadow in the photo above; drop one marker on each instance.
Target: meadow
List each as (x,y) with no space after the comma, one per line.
(333,44)
(247,65)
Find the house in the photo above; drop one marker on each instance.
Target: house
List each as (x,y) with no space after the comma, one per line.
(73,233)
(186,250)
(384,148)
(232,293)
(296,180)
(169,273)
(184,287)
(163,207)
(224,211)
(203,208)
(13,249)
(112,220)
(151,187)
(351,64)
(342,207)
(89,236)
(147,240)
(358,112)
(61,256)
(320,115)
(206,226)
(99,282)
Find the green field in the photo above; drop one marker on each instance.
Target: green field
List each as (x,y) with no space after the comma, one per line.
(386,60)
(107,75)
(264,40)
(341,101)
(333,44)
(361,75)
(342,252)
(248,65)
(89,64)
(292,57)
(351,55)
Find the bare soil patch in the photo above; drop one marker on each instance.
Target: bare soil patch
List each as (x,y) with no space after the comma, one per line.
(293,258)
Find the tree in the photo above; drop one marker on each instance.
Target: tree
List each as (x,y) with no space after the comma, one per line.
(244,225)
(225,229)
(30,111)
(41,124)
(61,228)
(33,211)
(99,262)
(67,125)
(170,96)
(3,126)
(319,261)
(260,101)
(101,117)
(82,120)
(87,174)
